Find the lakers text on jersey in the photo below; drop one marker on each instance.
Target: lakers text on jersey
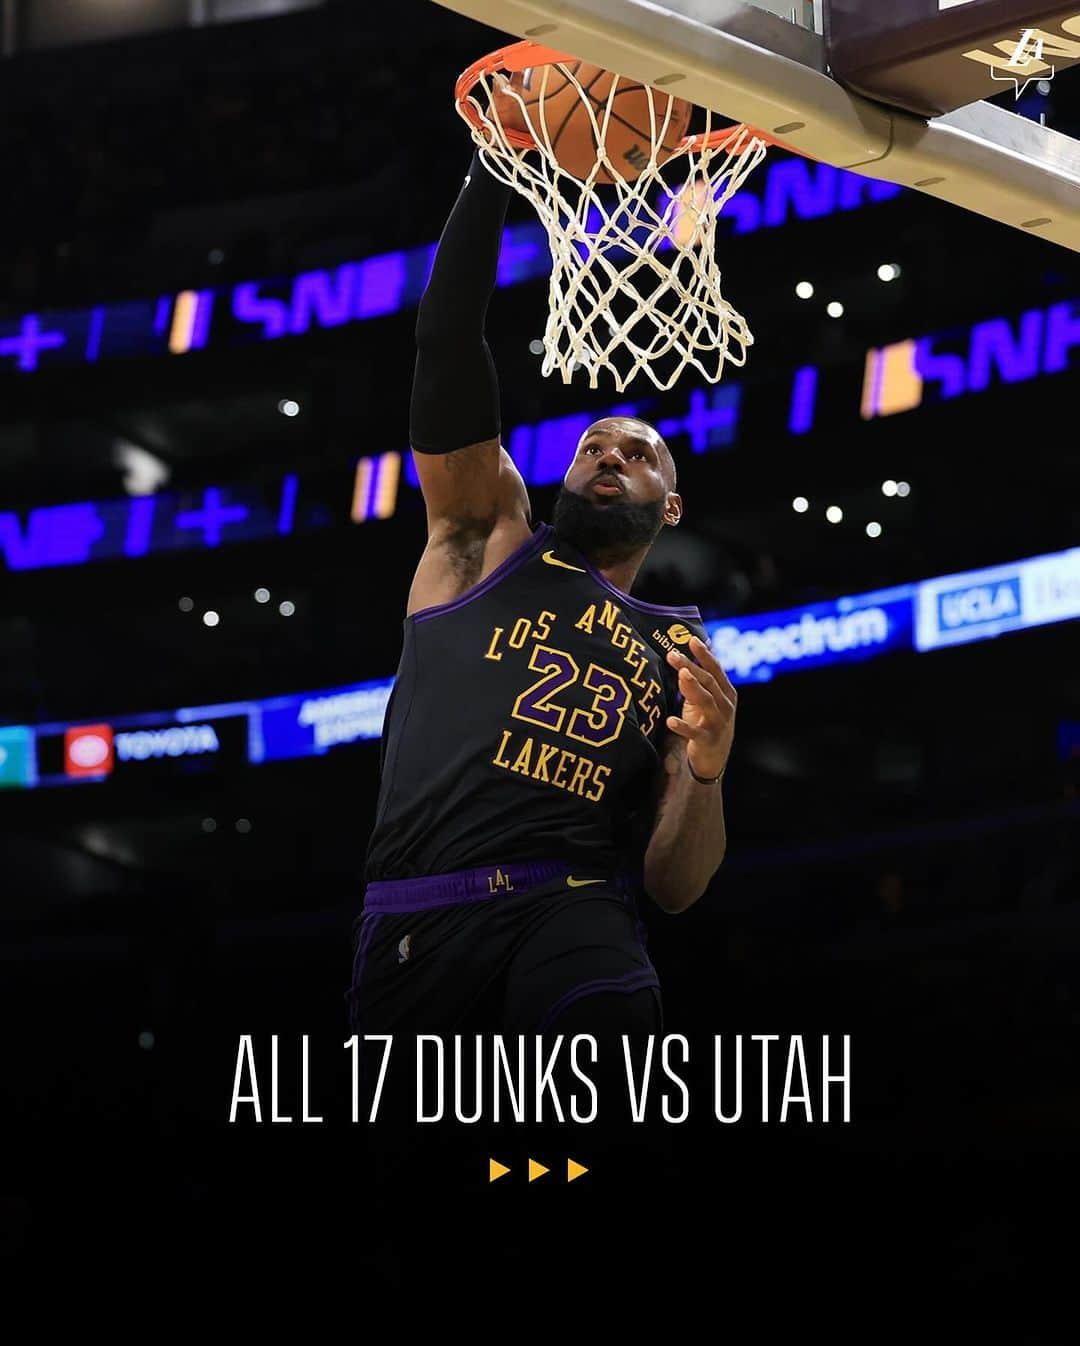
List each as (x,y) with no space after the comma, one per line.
(527,720)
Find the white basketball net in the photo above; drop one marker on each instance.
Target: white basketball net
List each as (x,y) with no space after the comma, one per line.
(635,283)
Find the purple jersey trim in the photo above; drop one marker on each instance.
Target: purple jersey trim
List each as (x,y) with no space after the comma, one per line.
(660,608)
(500,572)
(470,885)
(544,532)
(367,935)
(624,985)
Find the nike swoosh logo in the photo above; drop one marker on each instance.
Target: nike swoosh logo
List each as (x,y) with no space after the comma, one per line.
(552,560)
(580,883)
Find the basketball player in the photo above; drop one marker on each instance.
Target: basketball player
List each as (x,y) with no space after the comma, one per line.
(553,747)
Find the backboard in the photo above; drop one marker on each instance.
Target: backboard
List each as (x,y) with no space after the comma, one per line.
(766,63)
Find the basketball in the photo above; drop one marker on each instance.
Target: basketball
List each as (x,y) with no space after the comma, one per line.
(554,104)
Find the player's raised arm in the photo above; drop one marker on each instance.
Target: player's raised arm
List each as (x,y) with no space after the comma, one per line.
(469,482)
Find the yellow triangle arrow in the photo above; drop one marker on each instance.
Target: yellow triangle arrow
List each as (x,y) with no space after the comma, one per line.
(574,1170)
(536,1170)
(496,1170)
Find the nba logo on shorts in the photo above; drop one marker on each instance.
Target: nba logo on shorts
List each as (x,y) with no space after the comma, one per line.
(404,948)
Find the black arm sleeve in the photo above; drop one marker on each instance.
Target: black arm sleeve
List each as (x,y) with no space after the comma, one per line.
(455,396)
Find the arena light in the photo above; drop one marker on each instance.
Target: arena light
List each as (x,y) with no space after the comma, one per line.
(211,618)
(835,309)
(143,472)
(903,490)
(873,529)
(804,290)
(834,514)
(262,595)
(888,271)
(800,504)
(288,407)
(888,487)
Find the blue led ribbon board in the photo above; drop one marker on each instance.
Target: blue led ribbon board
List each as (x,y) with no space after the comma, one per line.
(295,306)
(930,615)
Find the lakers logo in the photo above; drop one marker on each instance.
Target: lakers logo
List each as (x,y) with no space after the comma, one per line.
(679,634)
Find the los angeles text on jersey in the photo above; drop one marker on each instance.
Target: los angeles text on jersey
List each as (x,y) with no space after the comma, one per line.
(613,691)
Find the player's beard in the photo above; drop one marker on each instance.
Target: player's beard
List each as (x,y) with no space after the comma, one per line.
(613,530)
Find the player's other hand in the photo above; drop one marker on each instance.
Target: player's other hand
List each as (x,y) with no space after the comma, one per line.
(708,711)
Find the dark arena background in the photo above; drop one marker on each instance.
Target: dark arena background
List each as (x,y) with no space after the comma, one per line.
(219,220)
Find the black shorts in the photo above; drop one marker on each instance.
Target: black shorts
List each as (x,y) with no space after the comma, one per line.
(555,961)
(532,963)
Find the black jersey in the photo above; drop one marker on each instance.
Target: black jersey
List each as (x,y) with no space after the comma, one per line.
(526,721)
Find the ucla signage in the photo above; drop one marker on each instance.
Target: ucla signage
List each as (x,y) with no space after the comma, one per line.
(984,603)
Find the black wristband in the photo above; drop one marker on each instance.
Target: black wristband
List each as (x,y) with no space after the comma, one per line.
(703,780)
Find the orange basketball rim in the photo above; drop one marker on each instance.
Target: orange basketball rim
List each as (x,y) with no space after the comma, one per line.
(528,55)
